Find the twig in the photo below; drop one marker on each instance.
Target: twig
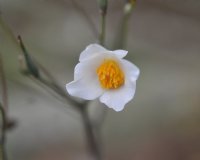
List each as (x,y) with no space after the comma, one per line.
(3,134)
(51,83)
(3,109)
(4,86)
(60,91)
(92,141)
(82,107)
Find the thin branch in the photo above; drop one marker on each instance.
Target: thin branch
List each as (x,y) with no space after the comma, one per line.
(82,107)
(92,141)
(3,84)
(60,91)
(45,87)
(3,134)
(51,83)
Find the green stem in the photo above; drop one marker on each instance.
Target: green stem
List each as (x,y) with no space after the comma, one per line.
(103,29)
(124,31)
(121,39)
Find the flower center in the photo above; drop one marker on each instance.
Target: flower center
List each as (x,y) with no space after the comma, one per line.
(110,74)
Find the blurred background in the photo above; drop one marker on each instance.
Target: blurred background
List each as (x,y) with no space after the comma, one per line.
(162,122)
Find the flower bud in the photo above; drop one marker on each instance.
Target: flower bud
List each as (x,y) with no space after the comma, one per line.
(129,6)
(31,66)
(103,6)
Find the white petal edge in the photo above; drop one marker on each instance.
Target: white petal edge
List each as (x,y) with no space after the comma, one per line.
(120,53)
(90,51)
(117,99)
(131,70)
(87,88)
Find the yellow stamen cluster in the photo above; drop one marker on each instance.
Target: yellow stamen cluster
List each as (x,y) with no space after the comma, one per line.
(110,74)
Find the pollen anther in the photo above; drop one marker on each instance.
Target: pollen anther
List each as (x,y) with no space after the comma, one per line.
(110,74)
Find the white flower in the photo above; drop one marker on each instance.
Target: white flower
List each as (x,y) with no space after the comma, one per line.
(105,74)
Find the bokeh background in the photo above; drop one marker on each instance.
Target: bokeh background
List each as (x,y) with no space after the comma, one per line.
(163,120)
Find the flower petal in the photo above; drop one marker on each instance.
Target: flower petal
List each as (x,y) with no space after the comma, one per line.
(88,66)
(117,99)
(91,50)
(87,88)
(83,69)
(131,70)
(120,53)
